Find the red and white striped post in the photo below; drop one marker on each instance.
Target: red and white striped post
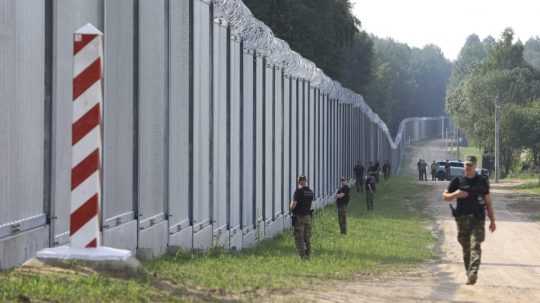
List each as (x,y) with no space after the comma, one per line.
(86,137)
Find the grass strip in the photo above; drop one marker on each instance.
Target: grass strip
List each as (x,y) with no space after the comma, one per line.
(392,238)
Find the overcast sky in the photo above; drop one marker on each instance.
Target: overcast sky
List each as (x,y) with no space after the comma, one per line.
(447,23)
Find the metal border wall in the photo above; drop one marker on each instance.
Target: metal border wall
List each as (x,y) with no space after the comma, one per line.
(208,121)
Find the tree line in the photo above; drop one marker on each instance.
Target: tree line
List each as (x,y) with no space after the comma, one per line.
(397,80)
(503,73)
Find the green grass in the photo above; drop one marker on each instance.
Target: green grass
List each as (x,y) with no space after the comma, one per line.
(17,286)
(392,238)
(532,187)
(523,176)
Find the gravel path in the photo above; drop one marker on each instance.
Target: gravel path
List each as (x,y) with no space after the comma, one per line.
(510,270)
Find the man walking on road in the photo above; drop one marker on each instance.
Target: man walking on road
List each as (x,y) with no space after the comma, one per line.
(359,175)
(342,201)
(377,170)
(447,169)
(370,191)
(434,171)
(301,209)
(419,166)
(386,170)
(473,200)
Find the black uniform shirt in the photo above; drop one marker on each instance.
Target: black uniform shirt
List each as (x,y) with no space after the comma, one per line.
(304,198)
(477,187)
(370,182)
(358,171)
(345,200)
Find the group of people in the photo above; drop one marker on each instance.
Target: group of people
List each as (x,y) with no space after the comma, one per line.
(422,170)
(473,205)
(303,197)
(374,170)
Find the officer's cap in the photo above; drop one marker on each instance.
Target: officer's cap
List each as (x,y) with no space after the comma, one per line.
(471,160)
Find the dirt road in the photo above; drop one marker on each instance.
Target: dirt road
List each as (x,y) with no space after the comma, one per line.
(510,270)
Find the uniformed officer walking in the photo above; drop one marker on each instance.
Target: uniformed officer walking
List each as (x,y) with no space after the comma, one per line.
(387,169)
(359,176)
(370,191)
(434,171)
(473,200)
(302,217)
(342,201)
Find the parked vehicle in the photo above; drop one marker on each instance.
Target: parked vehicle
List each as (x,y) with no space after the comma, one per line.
(457,168)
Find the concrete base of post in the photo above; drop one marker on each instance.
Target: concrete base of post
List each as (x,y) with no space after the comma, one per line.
(118,261)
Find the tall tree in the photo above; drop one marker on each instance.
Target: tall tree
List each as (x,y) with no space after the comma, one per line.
(472,54)
(357,72)
(532,52)
(320,30)
(407,81)
(505,76)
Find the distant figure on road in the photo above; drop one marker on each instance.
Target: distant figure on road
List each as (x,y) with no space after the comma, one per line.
(302,215)
(370,191)
(424,170)
(434,171)
(359,176)
(419,166)
(342,201)
(371,169)
(387,169)
(473,200)
(447,170)
(377,169)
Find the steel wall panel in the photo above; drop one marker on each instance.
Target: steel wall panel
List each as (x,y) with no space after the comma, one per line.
(268,142)
(332,145)
(308,133)
(294,134)
(153,106)
(234,145)
(259,135)
(201,114)
(278,143)
(316,143)
(179,116)
(323,143)
(69,15)
(22,110)
(311,136)
(219,154)
(337,149)
(118,114)
(340,141)
(287,177)
(248,141)
(350,164)
(301,129)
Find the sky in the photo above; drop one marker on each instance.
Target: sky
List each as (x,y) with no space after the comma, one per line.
(447,23)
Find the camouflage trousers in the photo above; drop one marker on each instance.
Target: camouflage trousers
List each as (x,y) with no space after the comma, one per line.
(471,234)
(302,235)
(342,219)
(369,200)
